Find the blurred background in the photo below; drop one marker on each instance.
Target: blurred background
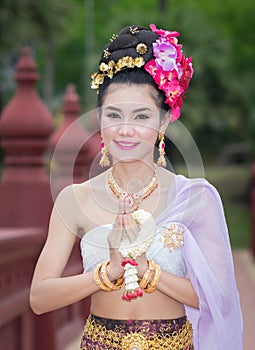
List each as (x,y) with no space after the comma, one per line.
(66,38)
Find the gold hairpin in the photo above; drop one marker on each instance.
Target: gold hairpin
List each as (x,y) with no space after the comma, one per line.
(114,36)
(107,53)
(111,68)
(141,48)
(134,30)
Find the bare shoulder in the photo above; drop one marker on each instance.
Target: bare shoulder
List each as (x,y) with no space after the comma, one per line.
(77,204)
(76,194)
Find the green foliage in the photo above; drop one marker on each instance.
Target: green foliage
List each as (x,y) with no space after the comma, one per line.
(219,107)
(28,21)
(233,182)
(234,185)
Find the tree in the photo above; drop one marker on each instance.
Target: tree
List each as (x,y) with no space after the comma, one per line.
(34,23)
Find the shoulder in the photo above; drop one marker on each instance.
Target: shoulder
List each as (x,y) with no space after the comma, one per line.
(79,193)
(77,203)
(184,183)
(198,194)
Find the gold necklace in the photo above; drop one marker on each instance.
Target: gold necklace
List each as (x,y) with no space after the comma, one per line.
(135,198)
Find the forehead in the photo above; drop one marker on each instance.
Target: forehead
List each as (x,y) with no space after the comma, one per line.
(135,96)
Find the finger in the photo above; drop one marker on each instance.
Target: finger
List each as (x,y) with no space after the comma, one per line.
(129,201)
(130,221)
(118,222)
(122,206)
(114,236)
(131,228)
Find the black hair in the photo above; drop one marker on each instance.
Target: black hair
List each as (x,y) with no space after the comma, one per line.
(124,44)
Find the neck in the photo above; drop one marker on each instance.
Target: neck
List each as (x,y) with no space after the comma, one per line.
(132,177)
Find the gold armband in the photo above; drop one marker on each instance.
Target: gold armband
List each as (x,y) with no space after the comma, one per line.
(102,280)
(147,275)
(112,286)
(150,286)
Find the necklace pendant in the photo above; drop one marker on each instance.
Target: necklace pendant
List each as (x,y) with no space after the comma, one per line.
(133,201)
(136,198)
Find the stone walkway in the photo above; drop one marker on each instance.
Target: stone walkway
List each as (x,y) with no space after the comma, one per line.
(245,277)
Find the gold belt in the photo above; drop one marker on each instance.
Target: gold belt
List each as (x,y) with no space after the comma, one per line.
(177,340)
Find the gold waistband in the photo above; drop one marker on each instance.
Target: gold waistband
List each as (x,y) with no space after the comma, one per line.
(177,340)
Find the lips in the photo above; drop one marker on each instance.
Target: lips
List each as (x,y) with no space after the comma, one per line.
(126,145)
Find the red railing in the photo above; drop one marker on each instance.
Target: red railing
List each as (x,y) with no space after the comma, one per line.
(26,201)
(20,329)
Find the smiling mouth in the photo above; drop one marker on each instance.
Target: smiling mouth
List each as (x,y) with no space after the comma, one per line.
(126,145)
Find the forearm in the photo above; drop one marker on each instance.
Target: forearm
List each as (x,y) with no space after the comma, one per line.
(54,293)
(178,288)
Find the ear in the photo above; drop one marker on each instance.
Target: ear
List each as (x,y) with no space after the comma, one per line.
(98,114)
(164,122)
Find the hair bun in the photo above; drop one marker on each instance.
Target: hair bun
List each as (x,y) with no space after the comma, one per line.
(125,44)
(123,41)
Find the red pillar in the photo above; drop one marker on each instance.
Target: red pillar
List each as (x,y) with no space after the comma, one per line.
(25,125)
(69,158)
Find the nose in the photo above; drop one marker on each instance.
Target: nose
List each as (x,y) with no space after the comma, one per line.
(126,129)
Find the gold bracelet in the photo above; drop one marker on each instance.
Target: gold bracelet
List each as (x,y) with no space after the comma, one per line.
(103,273)
(153,284)
(147,275)
(98,280)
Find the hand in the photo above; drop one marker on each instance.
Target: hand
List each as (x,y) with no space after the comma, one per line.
(132,229)
(124,224)
(114,268)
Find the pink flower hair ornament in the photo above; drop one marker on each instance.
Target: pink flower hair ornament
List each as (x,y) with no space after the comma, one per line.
(170,69)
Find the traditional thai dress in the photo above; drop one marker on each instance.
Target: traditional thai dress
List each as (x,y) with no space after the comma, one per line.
(191,239)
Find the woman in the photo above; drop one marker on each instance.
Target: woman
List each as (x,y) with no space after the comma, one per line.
(156,253)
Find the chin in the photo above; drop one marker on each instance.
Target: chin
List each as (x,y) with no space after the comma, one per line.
(127,160)
(132,157)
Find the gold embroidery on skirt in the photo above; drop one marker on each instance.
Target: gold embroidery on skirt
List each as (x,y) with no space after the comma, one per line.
(177,340)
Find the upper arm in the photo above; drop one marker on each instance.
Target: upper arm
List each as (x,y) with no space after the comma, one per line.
(61,237)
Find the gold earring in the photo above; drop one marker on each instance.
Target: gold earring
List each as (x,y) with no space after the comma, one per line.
(161,148)
(104,160)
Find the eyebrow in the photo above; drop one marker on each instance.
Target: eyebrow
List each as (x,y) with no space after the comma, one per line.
(113,108)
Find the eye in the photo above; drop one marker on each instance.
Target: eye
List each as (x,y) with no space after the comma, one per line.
(141,116)
(113,115)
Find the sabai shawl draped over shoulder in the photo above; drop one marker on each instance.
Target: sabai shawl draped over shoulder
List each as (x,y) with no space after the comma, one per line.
(196,204)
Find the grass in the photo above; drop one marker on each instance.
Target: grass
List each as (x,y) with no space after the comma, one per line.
(234,185)
(238,218)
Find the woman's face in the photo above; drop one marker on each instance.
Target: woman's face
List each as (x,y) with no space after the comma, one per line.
(130,122)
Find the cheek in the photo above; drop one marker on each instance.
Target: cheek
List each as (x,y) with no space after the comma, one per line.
(148,132)
(108,133)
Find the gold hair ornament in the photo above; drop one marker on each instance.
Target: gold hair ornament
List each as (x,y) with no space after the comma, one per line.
(114,36)
(111,68)
(107,53)
(141,48)
(134,30)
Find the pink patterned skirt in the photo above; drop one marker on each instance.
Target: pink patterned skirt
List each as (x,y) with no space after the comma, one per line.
(104,334)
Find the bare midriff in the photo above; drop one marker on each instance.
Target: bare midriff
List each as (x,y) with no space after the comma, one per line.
(154,305)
